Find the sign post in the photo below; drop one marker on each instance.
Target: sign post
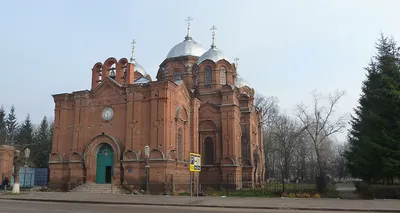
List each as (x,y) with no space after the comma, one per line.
(195,166)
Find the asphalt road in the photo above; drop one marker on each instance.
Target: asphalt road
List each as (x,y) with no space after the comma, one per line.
(7,206)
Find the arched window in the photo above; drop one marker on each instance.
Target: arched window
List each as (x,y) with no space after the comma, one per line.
(180,145)
(195,76)
(245,142)
(177,76)
(208,151)
(112,71)
(207,77)
(100,73)
(222,75)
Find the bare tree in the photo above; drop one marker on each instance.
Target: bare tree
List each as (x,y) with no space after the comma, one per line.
(320,123)
(286,132)
(268,106)
(301,157)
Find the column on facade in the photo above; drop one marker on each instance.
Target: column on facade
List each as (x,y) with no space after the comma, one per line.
(137,122)
(76,125)
(59,170)
(119,75)
(230,129)
(96,75)
(130,73)
(130,124)
(194,125)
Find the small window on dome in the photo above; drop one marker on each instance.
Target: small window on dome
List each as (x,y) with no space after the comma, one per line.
(222,75)
(207,77)
(177,76)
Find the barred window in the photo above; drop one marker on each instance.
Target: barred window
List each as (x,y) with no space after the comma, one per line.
(207,77)
(222,75)
(180,145)
(177,76)
(208,151)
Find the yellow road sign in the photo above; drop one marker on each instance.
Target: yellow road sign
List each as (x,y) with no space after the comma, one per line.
(195,162)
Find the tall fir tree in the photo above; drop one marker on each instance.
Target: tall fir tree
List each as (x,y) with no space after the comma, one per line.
(374,137)
(3,128)
(25,132)
(12,126)
(42,144)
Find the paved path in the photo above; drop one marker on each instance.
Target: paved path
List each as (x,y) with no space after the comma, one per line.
(347,190)
(40,207)
(227,202)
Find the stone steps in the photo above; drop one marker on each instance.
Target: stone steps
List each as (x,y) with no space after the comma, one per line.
(98,188)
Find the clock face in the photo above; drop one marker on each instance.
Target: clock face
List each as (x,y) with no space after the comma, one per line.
(107,113)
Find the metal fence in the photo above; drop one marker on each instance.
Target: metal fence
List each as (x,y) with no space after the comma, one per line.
(30,177)
(216,185)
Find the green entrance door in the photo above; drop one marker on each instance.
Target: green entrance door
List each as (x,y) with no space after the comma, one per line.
(105,164)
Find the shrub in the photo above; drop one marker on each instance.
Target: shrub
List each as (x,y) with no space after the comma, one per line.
(306,195)
(368,191)
(292,195)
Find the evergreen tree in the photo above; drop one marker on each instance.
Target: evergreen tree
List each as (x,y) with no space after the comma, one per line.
(12,126)
(3,128)
(374,137)
(25,132)
(42,144)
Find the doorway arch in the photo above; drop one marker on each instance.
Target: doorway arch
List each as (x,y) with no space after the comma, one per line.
(104,164)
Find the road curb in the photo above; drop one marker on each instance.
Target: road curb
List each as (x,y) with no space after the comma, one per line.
(198,205)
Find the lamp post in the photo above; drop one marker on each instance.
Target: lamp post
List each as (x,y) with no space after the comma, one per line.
(147,154)
(27,152)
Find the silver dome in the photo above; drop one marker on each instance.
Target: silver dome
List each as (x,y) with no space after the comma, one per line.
(141,80)
(213,54)
(240,82)
(186,48)
(139,68)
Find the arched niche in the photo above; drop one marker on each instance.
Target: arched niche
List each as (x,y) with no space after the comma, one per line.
(207,125)
(131,155)
(171,155)
(156,154)
(55,157)
(228,161)
(181,114)
(75,157)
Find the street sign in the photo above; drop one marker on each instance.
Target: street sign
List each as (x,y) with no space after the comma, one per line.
(195,162)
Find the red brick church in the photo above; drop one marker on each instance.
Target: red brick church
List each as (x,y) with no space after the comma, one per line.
(197,103)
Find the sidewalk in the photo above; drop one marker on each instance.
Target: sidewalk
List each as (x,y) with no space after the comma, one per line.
(217,202)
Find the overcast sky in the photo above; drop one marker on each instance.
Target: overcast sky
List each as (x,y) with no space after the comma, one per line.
(286,48)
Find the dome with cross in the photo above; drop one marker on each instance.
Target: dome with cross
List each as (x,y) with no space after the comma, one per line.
(138,67)
(240,82)
(187,47)
(213,54)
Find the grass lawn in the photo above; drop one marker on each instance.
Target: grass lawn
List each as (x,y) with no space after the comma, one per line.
(273,190)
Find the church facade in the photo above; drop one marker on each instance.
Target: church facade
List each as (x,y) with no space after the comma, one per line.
(197,103)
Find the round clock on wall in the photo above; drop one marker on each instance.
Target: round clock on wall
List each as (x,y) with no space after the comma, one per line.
(107,113)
